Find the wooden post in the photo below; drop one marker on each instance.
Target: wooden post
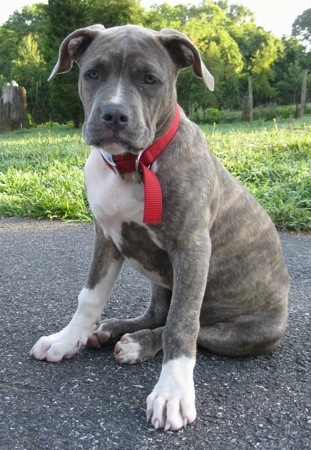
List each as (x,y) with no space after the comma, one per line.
(248,102)
(246,109)
(303,98)
(13,112)
(250,94)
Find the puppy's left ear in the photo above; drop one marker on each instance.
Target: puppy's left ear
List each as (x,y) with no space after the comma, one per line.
(184,54)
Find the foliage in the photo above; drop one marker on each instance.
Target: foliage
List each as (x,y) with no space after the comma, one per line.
(232,46)
(22,59)
(302,26)
(41,170)
(63,18)
(209,115)
(266,113)
(29,68)
(111,13)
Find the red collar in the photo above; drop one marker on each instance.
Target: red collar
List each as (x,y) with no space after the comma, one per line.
(141,164)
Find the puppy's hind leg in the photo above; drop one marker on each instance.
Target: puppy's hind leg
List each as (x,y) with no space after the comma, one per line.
(245,335)
(140,338)
(139,346)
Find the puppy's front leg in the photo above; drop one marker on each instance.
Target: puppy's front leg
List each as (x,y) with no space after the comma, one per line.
(104,269)
(171,405)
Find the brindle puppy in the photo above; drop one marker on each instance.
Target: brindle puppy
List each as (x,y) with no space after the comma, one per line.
(210,251)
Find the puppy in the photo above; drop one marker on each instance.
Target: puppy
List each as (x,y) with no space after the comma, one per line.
(162,202)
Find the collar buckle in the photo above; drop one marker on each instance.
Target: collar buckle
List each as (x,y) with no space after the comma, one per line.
(138,175)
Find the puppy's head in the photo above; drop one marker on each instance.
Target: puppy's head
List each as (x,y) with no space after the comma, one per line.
(127,82)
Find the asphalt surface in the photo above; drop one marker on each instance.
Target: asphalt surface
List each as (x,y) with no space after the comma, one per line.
(91,402)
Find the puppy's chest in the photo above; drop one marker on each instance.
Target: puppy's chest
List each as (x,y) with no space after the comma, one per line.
(112,199)
(118,204)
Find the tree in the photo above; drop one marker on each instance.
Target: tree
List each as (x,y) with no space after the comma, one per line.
(111,13)
(29,68)
(302,27)
(260,49)
(31,20)
(288,70)
(166,16)
(206,25)
(21,58)
(64,16)
(8,45)
(302,30)
(239,14)
(232,46)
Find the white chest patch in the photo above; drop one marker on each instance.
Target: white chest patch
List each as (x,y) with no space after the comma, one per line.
(112,199)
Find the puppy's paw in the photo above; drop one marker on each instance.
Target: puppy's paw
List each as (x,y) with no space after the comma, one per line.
(171,405)
(98,338)
(57,346)
(127,350)
(107,332)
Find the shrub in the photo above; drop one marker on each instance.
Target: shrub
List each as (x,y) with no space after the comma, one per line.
(209,115)
(263,113)
(231,116)
(212,115)
(268,113)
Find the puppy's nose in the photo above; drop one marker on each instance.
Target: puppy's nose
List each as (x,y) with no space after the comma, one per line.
(114,116)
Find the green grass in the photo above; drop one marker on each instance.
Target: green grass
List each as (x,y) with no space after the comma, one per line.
(41,170)
(273,161)
(41,174)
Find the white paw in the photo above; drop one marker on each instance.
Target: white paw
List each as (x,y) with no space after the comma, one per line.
(127,351)
(171,405)
(57,346)
(67,342)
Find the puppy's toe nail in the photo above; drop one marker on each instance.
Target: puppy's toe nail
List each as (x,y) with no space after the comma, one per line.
(82,343)
(93,342)
(156,424)
(167,426)
(117,348)
(102,336)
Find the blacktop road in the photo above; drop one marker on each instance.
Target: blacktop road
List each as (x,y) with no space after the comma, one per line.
(92,403)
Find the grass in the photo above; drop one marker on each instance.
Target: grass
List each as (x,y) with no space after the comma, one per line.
(41,170)
(41,174)
(273,161)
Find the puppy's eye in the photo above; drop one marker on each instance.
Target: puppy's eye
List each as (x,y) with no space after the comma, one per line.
(149,79)
(92,74)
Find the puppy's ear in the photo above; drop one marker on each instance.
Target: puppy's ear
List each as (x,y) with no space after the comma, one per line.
(184,54)
(73,46)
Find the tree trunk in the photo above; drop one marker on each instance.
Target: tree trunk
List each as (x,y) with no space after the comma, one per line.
(13,113)
(303,98)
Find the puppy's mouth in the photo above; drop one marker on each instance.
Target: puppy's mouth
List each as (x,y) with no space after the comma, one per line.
(117,141)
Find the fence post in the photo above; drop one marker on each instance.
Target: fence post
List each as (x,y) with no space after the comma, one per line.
(247,114)
(303,99)
(13,112)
